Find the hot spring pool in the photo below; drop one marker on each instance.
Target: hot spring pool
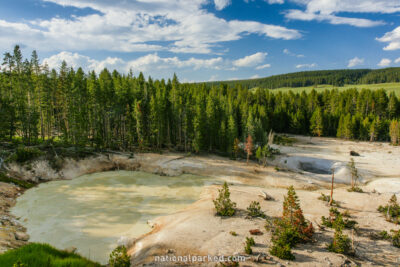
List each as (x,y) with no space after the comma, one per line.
(94,211)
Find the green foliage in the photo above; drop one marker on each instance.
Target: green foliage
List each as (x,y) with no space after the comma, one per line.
(23,154)
(341,243)
(291,229)
(124,112)
(391,211)
(223,204)
(384,235)
(354,177)
(282,139)
(5,179)
(249,243)
(233,233)
(254,210)
(119,257)
(39,255)
(327,199)
(396,238)
(336,217)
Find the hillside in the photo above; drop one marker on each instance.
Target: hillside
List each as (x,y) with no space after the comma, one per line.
(326,77)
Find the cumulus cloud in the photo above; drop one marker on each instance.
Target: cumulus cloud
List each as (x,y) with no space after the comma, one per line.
(250,61)
(355,62)
(392,38)
(385,62)
(309,66)
(221,4)
(327,10)
(397,60)
(136,25)
(153,63)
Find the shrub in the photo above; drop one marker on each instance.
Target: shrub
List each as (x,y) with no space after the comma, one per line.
(327,198)
(392,210)
(233,233)
(334,214)
(384,235)
(396,238)
(290,229)
(223,204)
(24,154)
(341,243)
(254,210)
(119,257)
(5,179)
(249,243)
(354,177)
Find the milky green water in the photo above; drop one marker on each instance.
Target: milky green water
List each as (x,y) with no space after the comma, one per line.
(94,211)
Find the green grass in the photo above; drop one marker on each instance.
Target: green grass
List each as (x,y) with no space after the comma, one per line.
(389,87)
(43,255)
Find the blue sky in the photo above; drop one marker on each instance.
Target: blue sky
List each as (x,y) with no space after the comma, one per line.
(204,40)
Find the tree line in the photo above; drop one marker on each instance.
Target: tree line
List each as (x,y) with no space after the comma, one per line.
(329,77)
(126,112)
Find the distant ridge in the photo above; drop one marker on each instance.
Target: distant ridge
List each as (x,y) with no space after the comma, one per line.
(310,78)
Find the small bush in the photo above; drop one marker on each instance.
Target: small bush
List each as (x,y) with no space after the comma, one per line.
(341,243)
(327,198)
(356,189)
(223,204)
(396,238)
(334,215)
(233,233)
(119,258)
(392,210)
(5,179)
(249,243)
(24,154)
(384,235)
(282,251)
(254,210)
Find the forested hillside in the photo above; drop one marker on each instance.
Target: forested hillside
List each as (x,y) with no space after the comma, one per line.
(118,111)
(329,77)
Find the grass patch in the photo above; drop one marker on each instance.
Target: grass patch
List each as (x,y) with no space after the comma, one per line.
(40,255)
(283,139)
(5,179)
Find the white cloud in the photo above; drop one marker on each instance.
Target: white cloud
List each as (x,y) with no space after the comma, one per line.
(149,63)
(276,2)
(301,66)
(392,38)
(263,67)
(355,62)
(179,26)
(326,10)
(250,61)
(397,60)
(153,63)
(384,62)
(221,4)
(256,76)
(288,52)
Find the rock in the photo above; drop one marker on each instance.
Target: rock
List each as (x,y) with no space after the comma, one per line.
(21,236)
(255,232)
(354,154)
(71,249)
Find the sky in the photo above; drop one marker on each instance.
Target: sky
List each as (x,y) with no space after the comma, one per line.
(205,40)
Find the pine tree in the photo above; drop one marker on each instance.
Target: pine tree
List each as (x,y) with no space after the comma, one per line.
(317,123)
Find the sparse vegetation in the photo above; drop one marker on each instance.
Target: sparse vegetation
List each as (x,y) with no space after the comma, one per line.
(254,210)
(233,233)
(249,243)
(391,211)
(336,216)
(283,139)
(5,179)
(290,229)
(341,243)
(223,204)
(40,255)
(354,177)
(396,238)
(23,154)
(119,257)
(327,199)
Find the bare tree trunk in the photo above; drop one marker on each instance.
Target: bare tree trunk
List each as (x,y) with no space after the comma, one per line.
(333,178)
